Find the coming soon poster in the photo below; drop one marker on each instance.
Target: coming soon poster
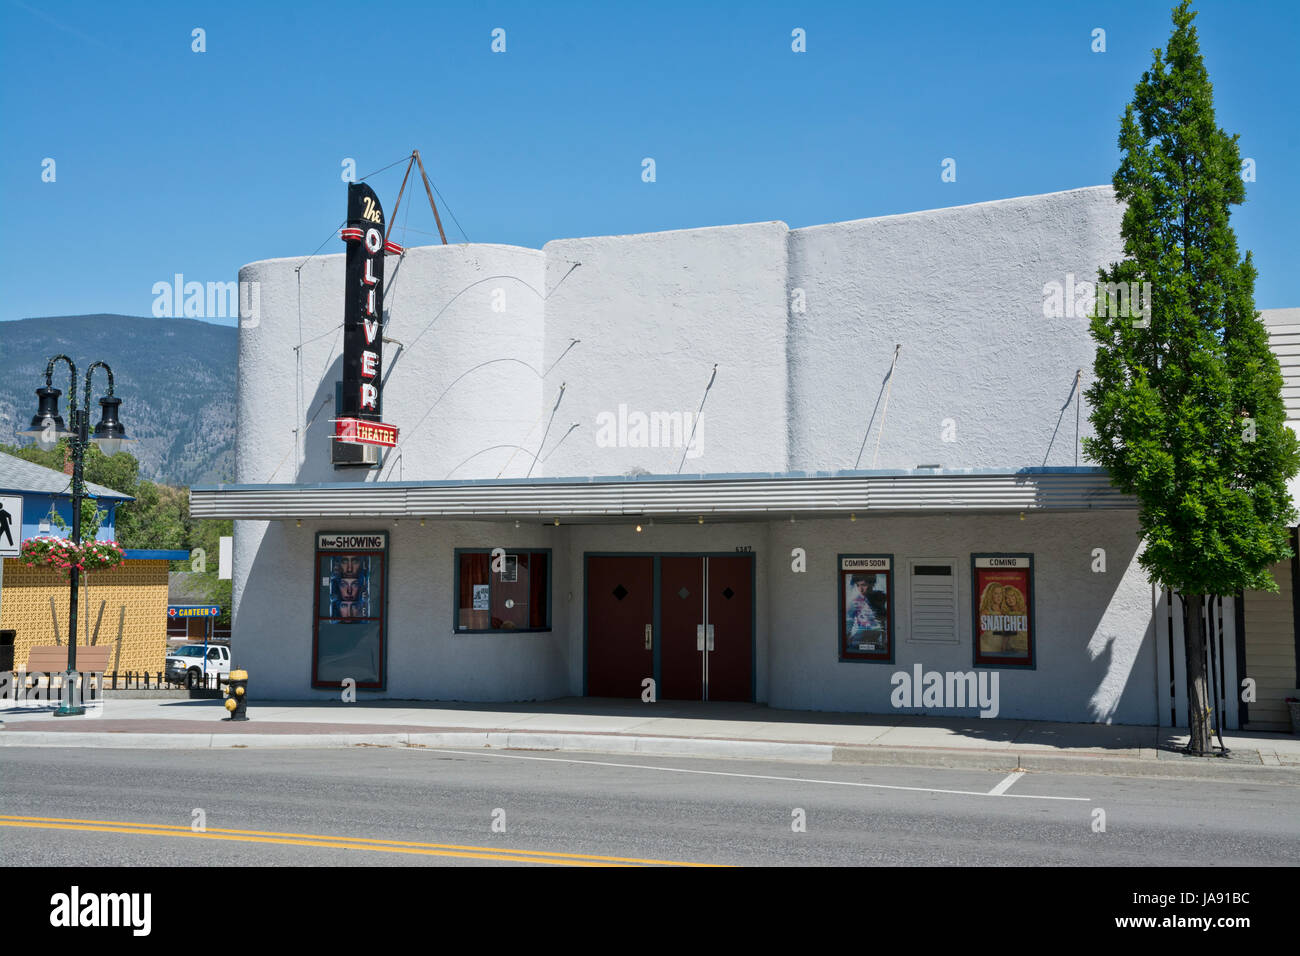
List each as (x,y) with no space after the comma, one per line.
(866,607)
(1004,614)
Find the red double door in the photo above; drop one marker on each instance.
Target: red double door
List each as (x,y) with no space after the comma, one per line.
(687,621)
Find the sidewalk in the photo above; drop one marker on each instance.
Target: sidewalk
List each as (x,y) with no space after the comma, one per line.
(668,728)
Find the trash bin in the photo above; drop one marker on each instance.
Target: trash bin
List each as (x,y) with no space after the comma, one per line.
(7,650)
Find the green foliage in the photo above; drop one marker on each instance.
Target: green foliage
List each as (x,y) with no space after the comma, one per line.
(1188,411)
(206,534)
(158,519)
(219,592)
(92,516)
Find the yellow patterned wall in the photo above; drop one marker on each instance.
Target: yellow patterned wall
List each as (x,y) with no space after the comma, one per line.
(134,621)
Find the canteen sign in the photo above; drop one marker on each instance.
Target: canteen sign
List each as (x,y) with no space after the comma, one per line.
(193,610)
(360,420)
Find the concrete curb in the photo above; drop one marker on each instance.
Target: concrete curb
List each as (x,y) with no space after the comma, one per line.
(1169,766)
(1166,765)
(456,740)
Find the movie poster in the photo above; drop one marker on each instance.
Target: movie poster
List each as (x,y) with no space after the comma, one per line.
(348,641)
(1003,595)
(349,586)
(866,607)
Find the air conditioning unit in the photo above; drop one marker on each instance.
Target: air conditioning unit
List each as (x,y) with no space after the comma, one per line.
(348,455)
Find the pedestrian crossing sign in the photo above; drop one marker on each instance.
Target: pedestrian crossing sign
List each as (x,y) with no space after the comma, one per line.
(11,525)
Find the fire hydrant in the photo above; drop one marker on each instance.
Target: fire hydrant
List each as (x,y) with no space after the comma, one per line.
(237,688)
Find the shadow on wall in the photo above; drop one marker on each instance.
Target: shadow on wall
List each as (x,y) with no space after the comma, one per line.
(320,433)
(267,630)
(1074,398)
(1112,648)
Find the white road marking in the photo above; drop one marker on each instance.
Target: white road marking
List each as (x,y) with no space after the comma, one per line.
(1007,783)
(748,776)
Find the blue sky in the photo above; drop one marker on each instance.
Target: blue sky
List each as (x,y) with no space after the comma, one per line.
(173,161)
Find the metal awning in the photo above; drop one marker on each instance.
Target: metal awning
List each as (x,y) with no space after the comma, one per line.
(675,497)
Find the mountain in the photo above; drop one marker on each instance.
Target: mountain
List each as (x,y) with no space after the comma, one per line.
(176,379)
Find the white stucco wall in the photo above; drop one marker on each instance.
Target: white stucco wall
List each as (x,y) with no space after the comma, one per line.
(425,657)
(961,290)
(491,333)
(653,314)
(1095,654)
(439,304)
(1093,649)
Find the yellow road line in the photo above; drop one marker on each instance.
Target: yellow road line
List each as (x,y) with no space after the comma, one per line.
(334,842)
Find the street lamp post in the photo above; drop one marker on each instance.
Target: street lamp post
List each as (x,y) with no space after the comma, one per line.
(47,428)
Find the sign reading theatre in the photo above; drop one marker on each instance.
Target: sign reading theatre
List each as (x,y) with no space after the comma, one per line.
(360,412)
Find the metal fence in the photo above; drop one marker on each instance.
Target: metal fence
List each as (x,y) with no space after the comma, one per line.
(118,680)
(1220,660)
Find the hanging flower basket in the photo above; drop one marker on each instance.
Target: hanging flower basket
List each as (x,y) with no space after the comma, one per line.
(60,554)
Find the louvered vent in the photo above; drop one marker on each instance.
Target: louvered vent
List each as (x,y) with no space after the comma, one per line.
(1284,339)
(934,601)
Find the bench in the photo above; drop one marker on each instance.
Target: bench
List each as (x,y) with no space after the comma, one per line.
(54,660)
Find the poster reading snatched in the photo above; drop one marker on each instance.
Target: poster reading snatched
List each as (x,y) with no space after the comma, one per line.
(866,607)
(1003,596)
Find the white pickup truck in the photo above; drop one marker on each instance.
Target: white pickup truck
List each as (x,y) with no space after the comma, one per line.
(187,665)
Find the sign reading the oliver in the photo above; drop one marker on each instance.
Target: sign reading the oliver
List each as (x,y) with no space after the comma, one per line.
(361,408)
(1003,594)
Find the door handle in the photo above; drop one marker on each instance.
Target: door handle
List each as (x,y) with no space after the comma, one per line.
(699,637)
(649,636)
(709,632)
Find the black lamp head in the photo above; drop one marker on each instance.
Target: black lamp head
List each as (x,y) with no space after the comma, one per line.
(109,433)
(47,425)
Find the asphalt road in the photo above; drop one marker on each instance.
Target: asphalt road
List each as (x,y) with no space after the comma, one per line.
(315,807)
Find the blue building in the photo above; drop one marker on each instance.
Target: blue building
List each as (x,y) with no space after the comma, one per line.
(46,493)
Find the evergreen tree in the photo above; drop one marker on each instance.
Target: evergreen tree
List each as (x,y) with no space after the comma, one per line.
(1187,402)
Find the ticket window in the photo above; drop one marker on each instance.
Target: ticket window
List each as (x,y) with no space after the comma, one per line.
(502,591)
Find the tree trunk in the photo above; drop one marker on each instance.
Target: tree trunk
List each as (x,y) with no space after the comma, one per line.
(1198,696)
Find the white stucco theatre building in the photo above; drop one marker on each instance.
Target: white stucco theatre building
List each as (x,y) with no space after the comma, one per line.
(745,462)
